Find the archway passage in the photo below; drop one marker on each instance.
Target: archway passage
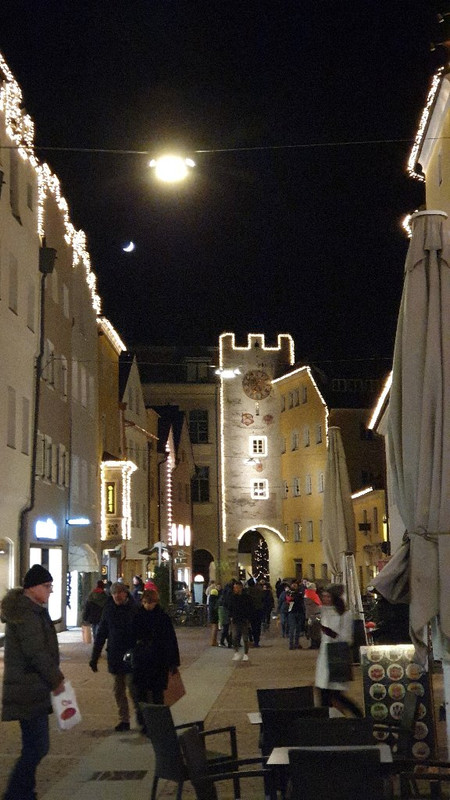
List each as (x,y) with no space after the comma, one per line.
(201,561)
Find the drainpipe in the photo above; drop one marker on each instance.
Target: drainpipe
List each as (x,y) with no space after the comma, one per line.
(47,258)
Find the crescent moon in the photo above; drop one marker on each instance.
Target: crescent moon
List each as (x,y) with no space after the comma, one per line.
(129,247)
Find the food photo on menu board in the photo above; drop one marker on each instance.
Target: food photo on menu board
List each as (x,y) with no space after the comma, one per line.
(389,671)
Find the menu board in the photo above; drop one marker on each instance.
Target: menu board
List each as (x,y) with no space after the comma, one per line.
(389,671)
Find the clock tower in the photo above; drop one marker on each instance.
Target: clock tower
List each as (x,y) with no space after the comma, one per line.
(250,443)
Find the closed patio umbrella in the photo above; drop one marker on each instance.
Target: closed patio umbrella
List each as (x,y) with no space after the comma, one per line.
(338,527)
(419,433)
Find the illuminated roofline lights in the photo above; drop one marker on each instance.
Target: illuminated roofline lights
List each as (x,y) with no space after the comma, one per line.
(20,130)
(262,340)
(111,334)
(380,403)
(319,393)
(419,138)
(362,492)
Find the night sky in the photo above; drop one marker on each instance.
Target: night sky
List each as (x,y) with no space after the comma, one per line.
(296,227)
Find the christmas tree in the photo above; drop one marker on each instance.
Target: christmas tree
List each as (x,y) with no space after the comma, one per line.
(261,561)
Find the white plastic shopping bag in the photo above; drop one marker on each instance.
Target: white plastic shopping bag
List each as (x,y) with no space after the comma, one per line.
(66,708)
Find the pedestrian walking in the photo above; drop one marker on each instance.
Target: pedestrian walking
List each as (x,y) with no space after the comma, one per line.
(255,592)
(268,604)
(213,614)
(116,627)
(31,674)
(155,652)
(94,607)
(283,608)
(241,609)
(138,588)
(337,626)
(295,615)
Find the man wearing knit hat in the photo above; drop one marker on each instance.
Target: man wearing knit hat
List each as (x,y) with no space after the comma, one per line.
(31,673)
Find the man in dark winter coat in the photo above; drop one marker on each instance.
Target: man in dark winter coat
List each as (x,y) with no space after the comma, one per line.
(116,626)
(241,609)
(94,607)
(31,674)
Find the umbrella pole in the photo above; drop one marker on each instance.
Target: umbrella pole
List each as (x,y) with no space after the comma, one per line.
(446,677)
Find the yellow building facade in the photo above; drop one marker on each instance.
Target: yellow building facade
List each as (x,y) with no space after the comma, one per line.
(303,427)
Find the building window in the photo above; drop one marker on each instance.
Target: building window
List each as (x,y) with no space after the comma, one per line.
(25,426)
(61,471)
(64,377)
(306,438)
(320,482)
(312,572)
(286,532)
(200,485)
(259,489)
(48,371)
(308,484)
(297,531)
(320,530)
(258,445)
(83,386)
(13,288)
(283,403)
(285,489)
(30,196)
(31,299)
(375,520)
(296,397)
(296,487)
(295,438)
(290,400)
(198,426)
(318,434)
(14,182)
(197,370)
(48,458)
(40,455)
(310,531)
(304,394)
(11,429)
(324,571)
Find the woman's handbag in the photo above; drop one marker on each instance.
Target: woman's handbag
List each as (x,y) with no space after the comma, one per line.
(86,633)
(175,689)
(66,708)
(340,662)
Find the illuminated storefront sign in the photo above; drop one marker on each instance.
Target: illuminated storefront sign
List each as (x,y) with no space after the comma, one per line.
(46,529)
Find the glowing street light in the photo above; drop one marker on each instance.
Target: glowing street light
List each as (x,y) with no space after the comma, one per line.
(171,169)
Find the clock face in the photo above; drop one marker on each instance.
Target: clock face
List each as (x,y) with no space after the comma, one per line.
(256,384)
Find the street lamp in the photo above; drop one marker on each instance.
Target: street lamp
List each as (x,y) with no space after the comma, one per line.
(171,169)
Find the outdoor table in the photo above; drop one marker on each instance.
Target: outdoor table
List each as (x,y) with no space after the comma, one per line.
(279,756)
(256,719)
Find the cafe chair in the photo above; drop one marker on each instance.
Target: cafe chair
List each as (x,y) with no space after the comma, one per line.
(309,732)
(276,731)
(430,779)
(347,775)
(290,697)
(203,781)
(169,761)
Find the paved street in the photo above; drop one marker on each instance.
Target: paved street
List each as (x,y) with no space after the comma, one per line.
(219,691)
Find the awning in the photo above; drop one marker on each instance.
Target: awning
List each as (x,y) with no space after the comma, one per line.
(82,558)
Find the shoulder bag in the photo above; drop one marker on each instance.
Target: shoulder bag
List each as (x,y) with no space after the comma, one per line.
(340,662)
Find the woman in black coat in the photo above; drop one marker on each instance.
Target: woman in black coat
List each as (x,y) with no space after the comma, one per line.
(155,653)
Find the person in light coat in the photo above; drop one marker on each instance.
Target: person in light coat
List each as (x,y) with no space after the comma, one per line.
(336,626)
